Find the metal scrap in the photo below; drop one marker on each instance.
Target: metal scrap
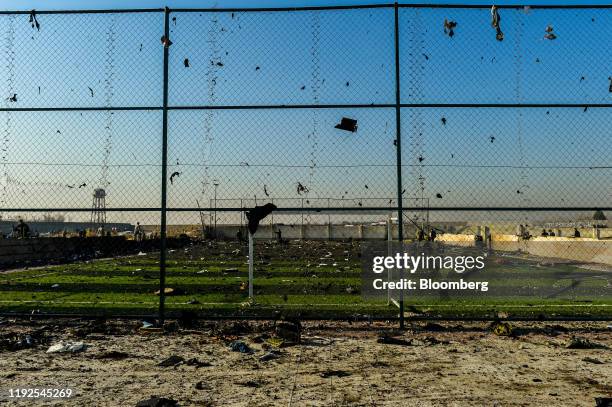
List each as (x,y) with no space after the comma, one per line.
(550,35)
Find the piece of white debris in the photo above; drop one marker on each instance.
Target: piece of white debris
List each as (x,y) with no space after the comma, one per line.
(64,347)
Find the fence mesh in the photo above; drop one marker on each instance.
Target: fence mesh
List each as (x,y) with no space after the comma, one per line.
(501,141)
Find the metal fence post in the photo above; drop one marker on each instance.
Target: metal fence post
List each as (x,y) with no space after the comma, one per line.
(162,254)
(302,222)
(251,263)
(398,132)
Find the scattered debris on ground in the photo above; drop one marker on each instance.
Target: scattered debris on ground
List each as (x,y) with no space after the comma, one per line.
(301,189)
(369,359)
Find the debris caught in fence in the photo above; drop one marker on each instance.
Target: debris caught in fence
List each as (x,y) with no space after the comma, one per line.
(34,21)
(186,62)
(495,20)
(166,41)
(301,189)
(174,174)
(257,214)
(550,35)
(449,27)
(347,124)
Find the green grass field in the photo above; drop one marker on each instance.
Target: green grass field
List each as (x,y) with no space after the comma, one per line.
(315,279)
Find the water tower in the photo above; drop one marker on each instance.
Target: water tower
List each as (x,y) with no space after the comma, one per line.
(98,208)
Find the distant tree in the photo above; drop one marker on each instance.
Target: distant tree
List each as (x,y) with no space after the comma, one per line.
(599,215)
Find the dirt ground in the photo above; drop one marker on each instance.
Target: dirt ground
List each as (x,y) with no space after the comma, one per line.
(441,364)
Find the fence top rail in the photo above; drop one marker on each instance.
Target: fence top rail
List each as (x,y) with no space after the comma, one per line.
(326,209)
(307,106)
(311,8)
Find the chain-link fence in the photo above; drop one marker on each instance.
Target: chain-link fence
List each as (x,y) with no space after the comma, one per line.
(134,142)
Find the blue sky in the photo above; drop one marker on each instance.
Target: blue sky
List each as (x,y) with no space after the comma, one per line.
(473,158)
(72,4)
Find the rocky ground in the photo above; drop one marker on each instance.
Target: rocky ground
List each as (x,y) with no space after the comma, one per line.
(358,364)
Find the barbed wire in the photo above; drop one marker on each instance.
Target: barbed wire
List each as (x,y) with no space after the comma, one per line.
(10,98)
(109,92)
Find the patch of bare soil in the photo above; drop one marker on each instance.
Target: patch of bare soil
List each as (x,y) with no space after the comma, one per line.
(359,364)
